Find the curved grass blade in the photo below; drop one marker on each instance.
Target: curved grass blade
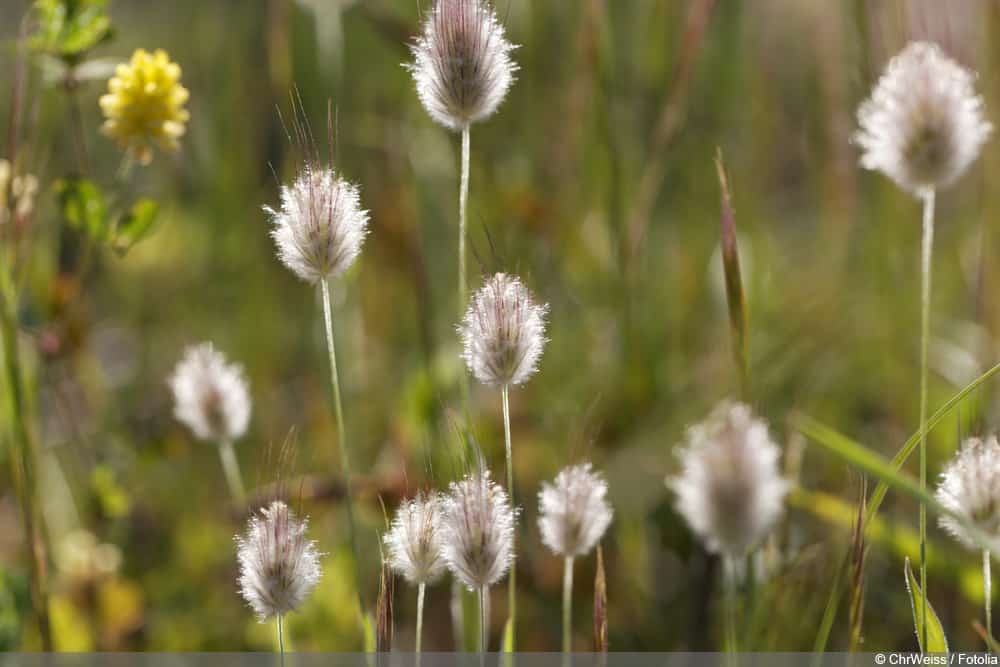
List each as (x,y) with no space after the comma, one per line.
(936,640)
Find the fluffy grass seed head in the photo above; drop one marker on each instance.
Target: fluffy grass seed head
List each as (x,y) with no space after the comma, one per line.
(211,396)
(503,332)
(414,540)
(145,104)
(970,487)
(279,566)
(462,64)
(478,531)
(574,511)
(923,124)
(729,490)
(320,226)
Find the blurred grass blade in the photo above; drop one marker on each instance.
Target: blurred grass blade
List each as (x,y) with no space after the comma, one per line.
(936,641)
(908,448)
(370,640)
(991,643)
(383,611)
(858,556)
(735,297)
(600,605)
(507,646)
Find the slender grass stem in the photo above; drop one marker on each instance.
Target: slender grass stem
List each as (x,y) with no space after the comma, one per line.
(729,586)
(345,462)
(927,246)
(512,577)
(463,202)
(420,619)
(988,594)
(484,622)
(281,640)
(23,457)
(567,639)
(231,468)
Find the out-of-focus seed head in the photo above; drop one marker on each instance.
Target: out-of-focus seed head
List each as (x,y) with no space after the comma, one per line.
(574,511)
(970,487)
(478,531)
(414,540)
(729,489)
(462,64)
(320,226)
(503,333)
(211,397)
(923,124)
(279,566)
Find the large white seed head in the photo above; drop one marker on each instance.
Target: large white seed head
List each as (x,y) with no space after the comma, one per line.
(279,566)
(211,397)
(574,511)
(970,487)
(320,226)
(462,64)
(503,332)
(478,531)
(923,124)
(414,541)
(729,490)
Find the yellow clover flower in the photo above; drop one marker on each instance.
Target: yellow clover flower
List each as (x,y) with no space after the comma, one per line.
(145,104)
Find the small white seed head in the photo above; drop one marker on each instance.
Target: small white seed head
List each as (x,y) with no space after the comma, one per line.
(478,531)
(574,511)
(503,333)
(320,226)
(923,124)
(211,397)
(729,490)
(970,487)
(279,566)
(462,64)
(414,540)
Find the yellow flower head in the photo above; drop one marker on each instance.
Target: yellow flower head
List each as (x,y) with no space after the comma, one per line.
(145,104)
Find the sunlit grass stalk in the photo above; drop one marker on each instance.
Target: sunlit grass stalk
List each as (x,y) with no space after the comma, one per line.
(345,463)
(567,611)
(512,577)
(420,618)
(463,203)
(484,622)
(231,468)
(926,253)
(281,639)
(729,593)
(23,463)
(988,592)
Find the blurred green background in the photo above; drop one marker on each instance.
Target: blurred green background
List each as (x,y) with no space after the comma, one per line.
(595,182)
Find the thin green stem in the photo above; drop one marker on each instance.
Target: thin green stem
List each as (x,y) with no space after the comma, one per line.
(23,456)
(231,468)
(281,640)
(345,463)
(512,577)
(567,639)
(420,618)
(484,621)
(463,202)
(988,594)
(729,586)
(927,246)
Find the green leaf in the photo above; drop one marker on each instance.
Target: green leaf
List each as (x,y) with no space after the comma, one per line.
(70,28)
(135,224)
(936,641)
(84,207)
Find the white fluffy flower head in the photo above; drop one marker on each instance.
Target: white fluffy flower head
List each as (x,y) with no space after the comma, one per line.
(923,124)
(279,566)
(320,226)
(414,540)
(478,531)
(462,64)
(970,487)
(211,397)
(503,333)
(729,489)
(574,511)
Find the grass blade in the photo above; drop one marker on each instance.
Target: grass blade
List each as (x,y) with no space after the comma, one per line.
(735,296)
(936,640)
(600,605)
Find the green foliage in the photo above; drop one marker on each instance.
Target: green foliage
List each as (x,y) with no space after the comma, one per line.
(85,208)
(69,29)
(936,640)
